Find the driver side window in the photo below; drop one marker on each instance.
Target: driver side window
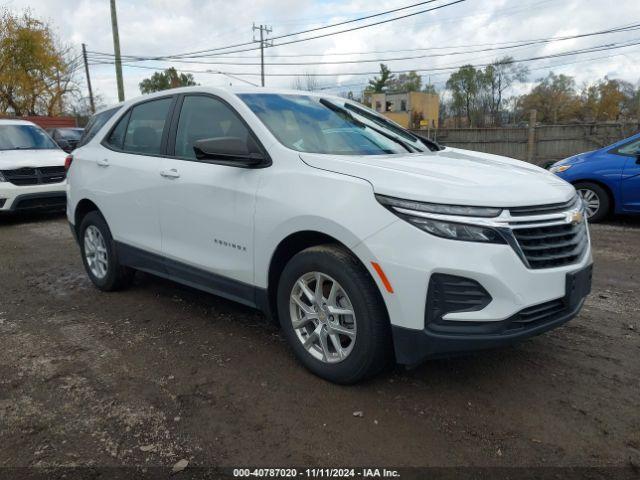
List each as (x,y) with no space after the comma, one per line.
(205,118)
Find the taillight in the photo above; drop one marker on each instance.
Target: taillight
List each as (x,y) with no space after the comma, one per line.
(67,162)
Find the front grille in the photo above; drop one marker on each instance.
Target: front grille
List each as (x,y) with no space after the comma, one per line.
(450,293)
(543,209)
(35,176)
(552,246)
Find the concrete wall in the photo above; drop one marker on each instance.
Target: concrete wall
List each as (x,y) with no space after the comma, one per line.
(550,142)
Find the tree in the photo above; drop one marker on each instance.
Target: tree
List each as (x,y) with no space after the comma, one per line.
(554,98)
(36,71)
(406,82)
(307,82)
(431,89)
(607,99)
(465,86)
(170,78)
(381,84)
(497,78)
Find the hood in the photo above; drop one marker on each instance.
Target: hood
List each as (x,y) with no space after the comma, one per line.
(13,159)
(579,158)
(451,176)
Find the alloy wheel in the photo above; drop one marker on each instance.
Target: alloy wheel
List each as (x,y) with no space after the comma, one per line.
(323,317)
(591,201)
(95,252)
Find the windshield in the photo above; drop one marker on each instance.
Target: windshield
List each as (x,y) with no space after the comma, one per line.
(24,137)
(309,124)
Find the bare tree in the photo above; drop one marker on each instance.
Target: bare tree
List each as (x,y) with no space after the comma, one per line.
(306,82)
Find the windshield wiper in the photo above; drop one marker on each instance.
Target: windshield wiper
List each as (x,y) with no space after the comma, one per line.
(430,144)
(347,113)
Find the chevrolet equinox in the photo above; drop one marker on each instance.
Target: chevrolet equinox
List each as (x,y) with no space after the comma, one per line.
(366,242)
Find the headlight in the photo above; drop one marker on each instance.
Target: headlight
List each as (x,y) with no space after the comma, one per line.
(559,168)
(439,208)
(444,228)
(457,231)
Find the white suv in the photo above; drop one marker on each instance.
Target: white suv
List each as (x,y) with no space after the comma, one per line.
(365,241)
(32,172)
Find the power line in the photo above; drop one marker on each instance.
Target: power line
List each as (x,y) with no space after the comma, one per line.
(415,57)
(199,54)
(359,19)
(370,52)
(598,48)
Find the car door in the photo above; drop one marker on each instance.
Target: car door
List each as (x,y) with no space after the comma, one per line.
(630,184)
(128,184)
(207,209)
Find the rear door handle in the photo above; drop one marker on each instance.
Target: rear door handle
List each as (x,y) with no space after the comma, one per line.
(103,163)
(171,173)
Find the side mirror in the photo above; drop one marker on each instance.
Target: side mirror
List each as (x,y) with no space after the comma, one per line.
(232,151)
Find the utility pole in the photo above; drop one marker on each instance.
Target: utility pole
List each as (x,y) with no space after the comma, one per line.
(116,50)
(263,43)
(86,71)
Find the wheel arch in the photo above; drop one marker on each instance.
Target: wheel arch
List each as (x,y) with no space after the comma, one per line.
(83,207)
(288,247)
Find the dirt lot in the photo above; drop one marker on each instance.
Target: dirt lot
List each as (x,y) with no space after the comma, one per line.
(161,373)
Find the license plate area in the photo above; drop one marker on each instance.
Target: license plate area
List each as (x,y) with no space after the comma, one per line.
(578,285)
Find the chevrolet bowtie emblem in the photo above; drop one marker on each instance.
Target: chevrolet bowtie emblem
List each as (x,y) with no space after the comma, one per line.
(575,218)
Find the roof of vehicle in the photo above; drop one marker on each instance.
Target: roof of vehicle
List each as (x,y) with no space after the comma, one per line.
(237,90)
(12,121)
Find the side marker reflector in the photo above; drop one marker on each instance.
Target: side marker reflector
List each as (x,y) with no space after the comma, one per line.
(383,277)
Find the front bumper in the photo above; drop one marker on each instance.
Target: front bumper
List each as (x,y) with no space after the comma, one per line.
(413,346)
(15,198)
(410,257)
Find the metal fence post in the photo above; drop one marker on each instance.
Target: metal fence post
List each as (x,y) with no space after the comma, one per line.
(531,142)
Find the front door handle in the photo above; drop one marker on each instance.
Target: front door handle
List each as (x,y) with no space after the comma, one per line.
(171,173)
(103,163)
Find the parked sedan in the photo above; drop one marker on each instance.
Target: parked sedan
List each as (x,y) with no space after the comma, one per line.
(608,180)
(66,138)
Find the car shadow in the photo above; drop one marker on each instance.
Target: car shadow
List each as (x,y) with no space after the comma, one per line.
(627,221)
(12,218)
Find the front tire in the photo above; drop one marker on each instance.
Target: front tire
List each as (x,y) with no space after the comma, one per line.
(99,255)
(333,316)
(596,201)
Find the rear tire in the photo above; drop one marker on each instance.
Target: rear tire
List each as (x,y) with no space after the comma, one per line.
(356,346)
(99,255)
(596,199)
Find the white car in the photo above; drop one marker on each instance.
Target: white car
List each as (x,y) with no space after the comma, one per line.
(32,172)
(366,242)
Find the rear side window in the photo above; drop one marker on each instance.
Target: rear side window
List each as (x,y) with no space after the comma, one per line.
(145,126)
(116,137)
(95,124)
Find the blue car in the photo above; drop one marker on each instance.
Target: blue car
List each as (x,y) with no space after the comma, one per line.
(608,180)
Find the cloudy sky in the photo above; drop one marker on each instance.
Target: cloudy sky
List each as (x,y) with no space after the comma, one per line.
(447,37)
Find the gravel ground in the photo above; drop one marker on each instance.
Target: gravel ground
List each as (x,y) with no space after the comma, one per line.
(161,373)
